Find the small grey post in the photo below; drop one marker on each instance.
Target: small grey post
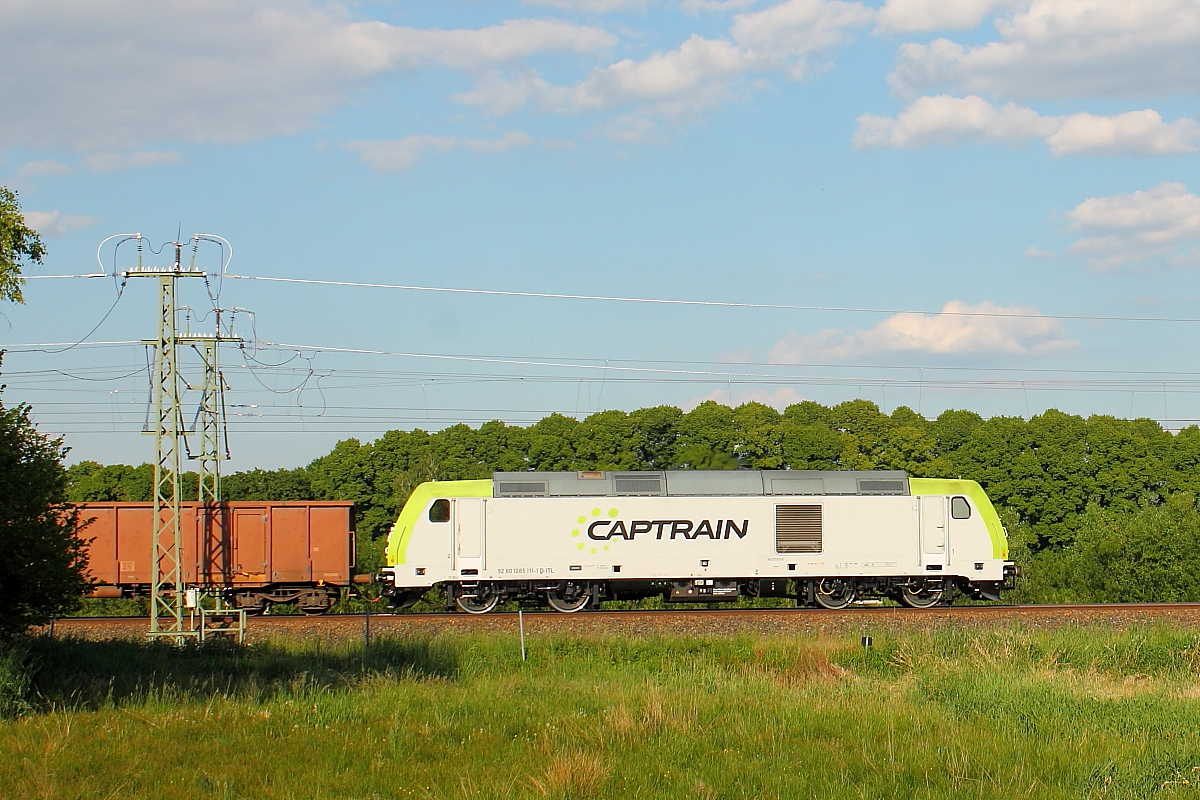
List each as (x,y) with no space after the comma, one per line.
(521,622)
(367,628)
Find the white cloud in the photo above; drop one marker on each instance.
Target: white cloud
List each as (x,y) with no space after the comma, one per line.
(1131,133)
(497,95)
(695,6)
(900,16)
(700,73)
(114,74)
(399,154)
(1123,229)
(779,399)
(945,120)
(689,78)
(796,28)
(1067,48)
(1033,252)
(591,6)
(633,129)
(37,169)
(681,82)
(948,120)
(113,162)
(54,224)
(955,331)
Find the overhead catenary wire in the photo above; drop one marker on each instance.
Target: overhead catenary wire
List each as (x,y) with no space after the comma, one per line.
(680,302)
(709,303)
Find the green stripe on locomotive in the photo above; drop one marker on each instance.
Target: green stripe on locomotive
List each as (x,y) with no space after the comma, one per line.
(397,549)
(978,498)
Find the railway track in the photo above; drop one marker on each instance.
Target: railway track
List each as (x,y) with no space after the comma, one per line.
(762,621)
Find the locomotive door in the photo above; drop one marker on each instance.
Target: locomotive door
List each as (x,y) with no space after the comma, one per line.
(933,530)
(468,534)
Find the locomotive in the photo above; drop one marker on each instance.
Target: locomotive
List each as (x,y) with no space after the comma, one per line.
(571,540)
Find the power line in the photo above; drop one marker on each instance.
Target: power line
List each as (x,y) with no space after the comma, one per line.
(677,302)
(708,303)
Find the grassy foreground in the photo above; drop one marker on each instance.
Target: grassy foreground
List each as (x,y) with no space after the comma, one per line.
(949,714)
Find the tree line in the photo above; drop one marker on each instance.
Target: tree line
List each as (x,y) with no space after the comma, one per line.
(1068,487)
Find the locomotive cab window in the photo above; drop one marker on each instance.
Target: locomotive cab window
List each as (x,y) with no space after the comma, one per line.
(439,511)
(960,508)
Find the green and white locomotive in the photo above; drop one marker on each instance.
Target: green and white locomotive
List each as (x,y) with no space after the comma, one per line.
(571,540)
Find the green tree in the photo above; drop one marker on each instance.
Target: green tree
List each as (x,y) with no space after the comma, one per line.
(552,444)
(18,243)
(864,433)
(603,441)
(1150,555)
(758,435)
(92,483)
(707,438)
(654,435)
(42,560)
(259,484)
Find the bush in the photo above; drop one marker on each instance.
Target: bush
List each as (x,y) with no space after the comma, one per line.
(42,561)
(15,681)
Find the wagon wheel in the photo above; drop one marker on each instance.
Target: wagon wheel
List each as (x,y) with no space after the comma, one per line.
(573,598)
(252,605)
(314,611)
(324,601)
(835,593)
(482,601)
(920,594)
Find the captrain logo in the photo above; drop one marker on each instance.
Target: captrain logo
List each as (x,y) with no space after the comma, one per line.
(582,521)
(600,529)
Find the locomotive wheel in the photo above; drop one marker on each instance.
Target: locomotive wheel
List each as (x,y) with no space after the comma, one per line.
(574,599)
(921,595)
(484,600)
(835,593)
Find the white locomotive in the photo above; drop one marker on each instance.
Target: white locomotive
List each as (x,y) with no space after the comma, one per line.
(572,539)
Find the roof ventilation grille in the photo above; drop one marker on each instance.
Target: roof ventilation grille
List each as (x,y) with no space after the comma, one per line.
(638,485)
(520,488)
(881,487)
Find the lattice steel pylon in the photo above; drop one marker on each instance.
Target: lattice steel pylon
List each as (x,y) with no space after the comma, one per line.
(213,557)
(210,417)
(167,615)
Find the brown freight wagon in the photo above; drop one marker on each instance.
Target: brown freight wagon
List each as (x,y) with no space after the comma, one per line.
(254,553)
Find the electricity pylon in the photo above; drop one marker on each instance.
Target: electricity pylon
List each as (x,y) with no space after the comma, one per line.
(166,546)
(213,539)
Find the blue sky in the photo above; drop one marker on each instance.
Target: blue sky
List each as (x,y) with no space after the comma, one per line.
(989,167)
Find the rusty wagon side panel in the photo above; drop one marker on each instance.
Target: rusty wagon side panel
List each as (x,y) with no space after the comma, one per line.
(235,546)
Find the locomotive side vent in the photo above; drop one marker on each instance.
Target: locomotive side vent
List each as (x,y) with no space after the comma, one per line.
(520,488)
(639,485)
(881,487)
(797,529)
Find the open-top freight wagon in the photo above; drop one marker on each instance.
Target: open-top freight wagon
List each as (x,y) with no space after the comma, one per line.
(255,554)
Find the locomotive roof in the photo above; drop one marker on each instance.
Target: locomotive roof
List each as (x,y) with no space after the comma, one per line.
(699,483)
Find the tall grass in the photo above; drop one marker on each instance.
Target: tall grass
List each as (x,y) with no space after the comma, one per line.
(938,714)
(14,681)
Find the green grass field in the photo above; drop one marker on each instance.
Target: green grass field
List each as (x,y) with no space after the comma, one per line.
(956,713)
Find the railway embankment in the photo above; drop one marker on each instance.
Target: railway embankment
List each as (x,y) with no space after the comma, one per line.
(681,622)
